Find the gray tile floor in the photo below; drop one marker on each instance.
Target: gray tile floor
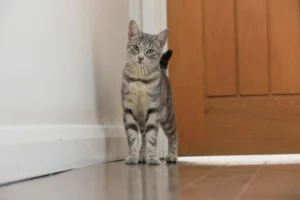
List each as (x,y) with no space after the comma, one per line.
(194,181)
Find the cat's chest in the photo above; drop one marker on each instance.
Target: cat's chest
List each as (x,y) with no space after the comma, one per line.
(138,87)
(143,74)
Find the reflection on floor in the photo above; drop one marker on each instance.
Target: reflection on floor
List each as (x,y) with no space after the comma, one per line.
(186,180)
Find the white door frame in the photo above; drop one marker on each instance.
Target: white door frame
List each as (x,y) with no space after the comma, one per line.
(151,17)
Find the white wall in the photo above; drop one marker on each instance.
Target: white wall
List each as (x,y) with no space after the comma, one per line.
(60,69)
(60,77)
(49,51)
(111,25)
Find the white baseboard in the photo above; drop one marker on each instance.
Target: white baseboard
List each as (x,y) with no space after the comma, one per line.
(32,151)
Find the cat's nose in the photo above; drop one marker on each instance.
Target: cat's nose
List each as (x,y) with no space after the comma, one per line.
(140,58)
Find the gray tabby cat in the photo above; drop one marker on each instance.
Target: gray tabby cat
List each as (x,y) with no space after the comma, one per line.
(146,97)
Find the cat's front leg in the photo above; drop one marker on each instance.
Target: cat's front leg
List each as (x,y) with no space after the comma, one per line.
(132,131)
(151,134)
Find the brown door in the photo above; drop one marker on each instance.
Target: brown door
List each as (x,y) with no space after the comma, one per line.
(235,75)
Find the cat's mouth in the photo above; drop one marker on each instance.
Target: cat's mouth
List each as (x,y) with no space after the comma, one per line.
(140,62)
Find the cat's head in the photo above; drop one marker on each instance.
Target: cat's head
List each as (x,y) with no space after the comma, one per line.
(144,49)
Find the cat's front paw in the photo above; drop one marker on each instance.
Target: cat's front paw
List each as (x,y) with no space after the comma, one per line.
(132,160)
(142,159)
(171,158)
(153,161)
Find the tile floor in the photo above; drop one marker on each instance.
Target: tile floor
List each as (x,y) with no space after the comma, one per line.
(186,180)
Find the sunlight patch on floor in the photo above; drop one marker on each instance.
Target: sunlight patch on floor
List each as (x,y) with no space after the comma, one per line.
(243,160)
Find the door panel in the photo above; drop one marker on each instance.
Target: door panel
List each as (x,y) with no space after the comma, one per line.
(284,41)
(219,47)
(252,47)
(253,125)
(235,65)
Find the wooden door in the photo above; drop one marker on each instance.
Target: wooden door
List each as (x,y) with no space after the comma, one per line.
(235,75)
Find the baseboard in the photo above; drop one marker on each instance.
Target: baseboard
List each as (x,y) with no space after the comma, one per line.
(31,151)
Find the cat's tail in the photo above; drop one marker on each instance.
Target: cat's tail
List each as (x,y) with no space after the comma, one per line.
(164,60)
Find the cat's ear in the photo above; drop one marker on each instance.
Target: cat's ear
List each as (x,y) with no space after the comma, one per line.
(162,37)
(133,29)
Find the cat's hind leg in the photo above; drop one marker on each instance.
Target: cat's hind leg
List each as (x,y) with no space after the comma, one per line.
(142,157)
(168,124)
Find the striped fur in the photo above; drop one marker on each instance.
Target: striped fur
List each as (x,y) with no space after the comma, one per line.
(146,97)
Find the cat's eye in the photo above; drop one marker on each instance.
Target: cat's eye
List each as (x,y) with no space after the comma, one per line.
(150,51)
(135,47)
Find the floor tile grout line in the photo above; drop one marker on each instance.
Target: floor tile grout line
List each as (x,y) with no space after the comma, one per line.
(189,185)
(248,184)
